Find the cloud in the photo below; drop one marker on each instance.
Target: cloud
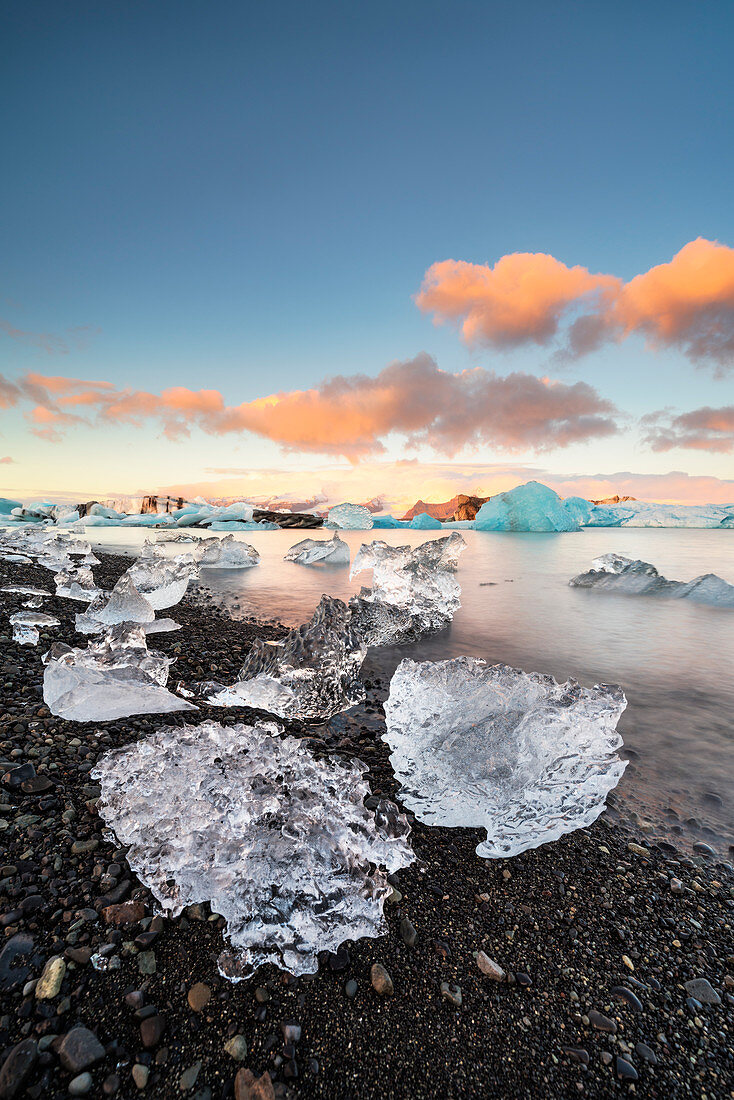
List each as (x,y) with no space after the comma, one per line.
(349,416)
(6,461)
(687,303)
(703,429)
(76,338)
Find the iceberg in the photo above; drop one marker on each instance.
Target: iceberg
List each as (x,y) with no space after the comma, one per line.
(325,551)
(530,507)
(424,522)
(312,673)
(414,590)
(25,625)
(629,577)
(123,604)
(387,522)
(350,517)
(281,844)
(639,513)
(492,747)
(112,678)
(227,553)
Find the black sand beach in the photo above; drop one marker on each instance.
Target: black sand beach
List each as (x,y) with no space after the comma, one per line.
(618,953)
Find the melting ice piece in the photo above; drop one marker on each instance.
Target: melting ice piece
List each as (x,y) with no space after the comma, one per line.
(161,580)
(530,507)
(25,625)
(76,582)
(310,551)
(414,590)
(279,842)
(123,604)
(312,673)
(25,590)
(615,573)
(516,753)
(354,517)
(112,678)
(228,553)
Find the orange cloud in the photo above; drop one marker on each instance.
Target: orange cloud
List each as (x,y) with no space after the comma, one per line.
(687,303)
(703,429)
(350,415)
(522,299)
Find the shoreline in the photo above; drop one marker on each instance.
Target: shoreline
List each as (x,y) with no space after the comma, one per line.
(570,922)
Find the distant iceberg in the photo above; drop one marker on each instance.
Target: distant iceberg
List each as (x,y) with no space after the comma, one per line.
(529,507)
(628,577)
(351,517)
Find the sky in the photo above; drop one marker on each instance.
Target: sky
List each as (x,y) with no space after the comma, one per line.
(398,250)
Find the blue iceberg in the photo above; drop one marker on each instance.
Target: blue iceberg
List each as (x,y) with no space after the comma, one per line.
(529,507)
(424,522)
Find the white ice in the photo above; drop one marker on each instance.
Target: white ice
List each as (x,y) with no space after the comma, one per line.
(354,517)
(280,843)
(228,553)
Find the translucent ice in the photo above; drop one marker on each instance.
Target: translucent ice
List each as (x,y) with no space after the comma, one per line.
(312,673)
(424,522)
(354,517)
(228,553)
(26,623)
(279,842)
(112,678)
(615,573)
(518,754)
(161,580)
(530,507)
(76,582)
(327,551)
(25,590)
(123,604)
(414,590)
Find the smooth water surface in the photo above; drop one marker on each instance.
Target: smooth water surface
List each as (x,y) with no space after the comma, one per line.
(674,659)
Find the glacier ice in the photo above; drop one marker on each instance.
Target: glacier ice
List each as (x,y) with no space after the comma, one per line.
(123,604)
(227,553)
(26,623)
(515,753)
(350,517)
(112,678)
(327,551)
(311,673)
(161,580)
(529,507)
(76,582)
(25,590)
(425,522)
(629,577)
(281,844)
(640,513)
(414,589)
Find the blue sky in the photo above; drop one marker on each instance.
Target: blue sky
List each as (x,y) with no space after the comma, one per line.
(246,197)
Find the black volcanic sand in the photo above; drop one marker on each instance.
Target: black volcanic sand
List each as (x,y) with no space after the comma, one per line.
(598,933)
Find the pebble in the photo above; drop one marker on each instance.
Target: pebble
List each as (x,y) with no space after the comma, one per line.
(451,993)
(146,962)
(151,1030)
(248,1087)
(16,1067)
(199,996)
(50,981)
(236,1048)
(602,1023)
(647,1055)
(80,1085)
(622,993)
(187,1080)
(625,1070)
(140,1075)
(489,967)
(408,933)
(381,980)
(703,991)
(80,1048)
(351,988)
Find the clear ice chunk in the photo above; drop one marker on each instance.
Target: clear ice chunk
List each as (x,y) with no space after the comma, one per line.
(123,604)
(350,517)
(414,590)
(228,553)
(26,623)
(26,590)
(515,753)
(312,551)
(161,580)
(629,577)
(112,678)
(76,582)
(281,844)
(312,673)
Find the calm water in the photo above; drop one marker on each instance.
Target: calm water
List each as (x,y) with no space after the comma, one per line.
(675,660)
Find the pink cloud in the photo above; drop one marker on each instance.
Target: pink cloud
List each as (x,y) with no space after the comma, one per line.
(76,338)
(687,303)
(703,429)
(350,415)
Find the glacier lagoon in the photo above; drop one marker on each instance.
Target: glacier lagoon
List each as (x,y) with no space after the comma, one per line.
(673,659)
